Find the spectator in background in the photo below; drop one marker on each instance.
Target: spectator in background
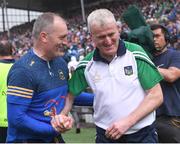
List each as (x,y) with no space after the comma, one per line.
(119,24)
(21,34)
(72,64)
(125,94)
(6,61)
(168,63)
(37,85)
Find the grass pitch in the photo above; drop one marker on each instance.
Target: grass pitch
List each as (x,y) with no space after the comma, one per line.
(87,135)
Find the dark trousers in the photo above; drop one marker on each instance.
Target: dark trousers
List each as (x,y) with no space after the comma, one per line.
(3,134)
(145,135)
(168,129)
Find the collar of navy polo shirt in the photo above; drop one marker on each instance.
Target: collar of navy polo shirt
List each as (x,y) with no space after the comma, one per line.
(121,51)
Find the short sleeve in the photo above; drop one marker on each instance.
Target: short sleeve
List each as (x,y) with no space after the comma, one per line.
(78,82)
(175,59)
(148,74)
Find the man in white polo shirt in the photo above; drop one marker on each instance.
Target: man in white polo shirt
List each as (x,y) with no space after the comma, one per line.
(125,83)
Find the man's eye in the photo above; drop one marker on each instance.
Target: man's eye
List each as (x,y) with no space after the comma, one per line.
(101,37)
(110,35)
(62,37)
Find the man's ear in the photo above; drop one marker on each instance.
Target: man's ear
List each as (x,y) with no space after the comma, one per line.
(92,38)
(43,36)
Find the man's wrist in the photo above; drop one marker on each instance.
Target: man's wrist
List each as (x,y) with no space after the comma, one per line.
(64,113)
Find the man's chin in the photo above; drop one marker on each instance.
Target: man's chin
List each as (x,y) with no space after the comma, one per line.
(110,52)
(60,53)
(159,48)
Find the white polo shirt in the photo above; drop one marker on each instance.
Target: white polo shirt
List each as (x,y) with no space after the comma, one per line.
(118,85)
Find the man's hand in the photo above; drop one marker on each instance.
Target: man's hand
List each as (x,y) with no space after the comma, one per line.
(62,123)
(117,129)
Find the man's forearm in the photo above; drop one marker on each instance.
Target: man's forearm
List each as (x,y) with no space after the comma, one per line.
(171,74)
(68,104)
(17,116)
(151,102)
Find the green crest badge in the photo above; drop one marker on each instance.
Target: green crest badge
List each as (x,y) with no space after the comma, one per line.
(61,75)
(128,70)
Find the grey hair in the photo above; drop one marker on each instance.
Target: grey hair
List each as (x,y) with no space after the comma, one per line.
(100,17)
(43,22)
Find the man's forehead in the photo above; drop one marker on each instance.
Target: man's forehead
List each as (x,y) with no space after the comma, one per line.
(158,30)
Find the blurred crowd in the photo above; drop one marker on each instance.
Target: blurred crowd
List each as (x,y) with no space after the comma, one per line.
(166,12)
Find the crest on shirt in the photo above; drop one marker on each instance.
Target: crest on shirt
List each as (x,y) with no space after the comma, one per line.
(32,62)
(128,70)
(61,75)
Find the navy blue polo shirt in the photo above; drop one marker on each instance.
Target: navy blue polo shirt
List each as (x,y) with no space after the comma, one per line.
(171,91)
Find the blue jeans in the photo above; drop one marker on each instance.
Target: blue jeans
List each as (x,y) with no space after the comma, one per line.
(145,135)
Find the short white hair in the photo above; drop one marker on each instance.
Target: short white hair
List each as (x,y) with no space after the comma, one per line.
(100,17)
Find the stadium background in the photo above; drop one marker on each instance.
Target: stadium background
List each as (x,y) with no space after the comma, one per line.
(17,18)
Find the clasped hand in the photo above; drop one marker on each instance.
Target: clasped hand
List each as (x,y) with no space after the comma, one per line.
(62,123)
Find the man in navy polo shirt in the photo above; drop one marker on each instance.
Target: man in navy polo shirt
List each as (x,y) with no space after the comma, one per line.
(168,63)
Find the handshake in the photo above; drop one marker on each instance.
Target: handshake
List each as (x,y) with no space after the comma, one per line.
(62,123)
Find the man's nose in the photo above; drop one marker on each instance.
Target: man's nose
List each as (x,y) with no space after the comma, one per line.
(107,40)
(154,38)
(64,41)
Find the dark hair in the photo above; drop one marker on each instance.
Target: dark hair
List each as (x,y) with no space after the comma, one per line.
(164,30)
(6,48)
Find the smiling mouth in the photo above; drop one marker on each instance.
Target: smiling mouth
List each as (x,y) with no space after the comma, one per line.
(61,49)
(110,48)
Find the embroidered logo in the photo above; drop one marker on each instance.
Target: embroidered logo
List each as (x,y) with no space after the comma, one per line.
(160,66)
(61,75)
(128,70)
(32,62)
